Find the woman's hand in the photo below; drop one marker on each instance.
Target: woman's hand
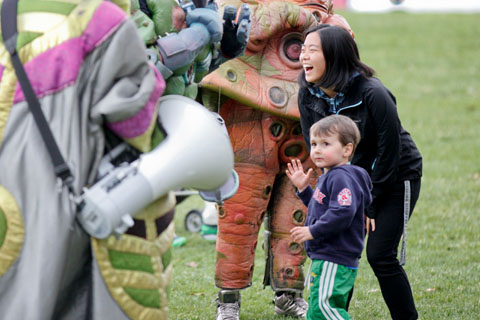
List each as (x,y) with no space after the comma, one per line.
(369,224)
(297,176)
(301,234)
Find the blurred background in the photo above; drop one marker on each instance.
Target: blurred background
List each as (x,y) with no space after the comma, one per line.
(466,6)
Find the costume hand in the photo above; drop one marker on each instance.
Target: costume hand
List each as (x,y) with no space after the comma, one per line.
(301,234)
(209,19)
(369,224)
(235,35)
(297,176)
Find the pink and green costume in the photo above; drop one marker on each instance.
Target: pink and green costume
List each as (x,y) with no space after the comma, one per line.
(86,64)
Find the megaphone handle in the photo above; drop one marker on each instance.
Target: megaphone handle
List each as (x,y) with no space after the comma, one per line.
(218,195)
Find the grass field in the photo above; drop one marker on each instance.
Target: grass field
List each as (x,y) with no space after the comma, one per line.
(431,63)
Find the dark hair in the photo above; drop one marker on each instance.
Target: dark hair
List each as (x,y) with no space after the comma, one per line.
(346,129)
(342,59)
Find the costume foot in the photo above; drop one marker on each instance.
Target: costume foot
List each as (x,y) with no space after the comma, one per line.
(228,305)
(290,304)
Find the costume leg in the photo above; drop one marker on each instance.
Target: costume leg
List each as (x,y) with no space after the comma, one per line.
(240,218)
(287,257)
(238,224)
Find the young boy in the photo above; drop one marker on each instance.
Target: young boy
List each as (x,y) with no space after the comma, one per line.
(334,228)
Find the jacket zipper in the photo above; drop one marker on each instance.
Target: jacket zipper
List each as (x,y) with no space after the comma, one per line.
(353,106)
(348,107)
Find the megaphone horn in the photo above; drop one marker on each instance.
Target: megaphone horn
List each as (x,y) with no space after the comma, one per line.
(196,153)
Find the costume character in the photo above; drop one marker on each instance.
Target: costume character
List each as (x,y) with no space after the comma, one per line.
(95,86)
(256,94)
(70,53)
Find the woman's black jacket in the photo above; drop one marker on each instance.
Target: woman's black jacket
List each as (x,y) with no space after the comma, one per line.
(386,150)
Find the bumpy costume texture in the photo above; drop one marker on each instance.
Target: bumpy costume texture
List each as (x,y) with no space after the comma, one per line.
(256,94)
(49,267)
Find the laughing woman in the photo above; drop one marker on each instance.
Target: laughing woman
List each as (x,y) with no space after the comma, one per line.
(335,81)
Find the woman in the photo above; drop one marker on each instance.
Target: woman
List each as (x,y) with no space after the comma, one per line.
(335,81)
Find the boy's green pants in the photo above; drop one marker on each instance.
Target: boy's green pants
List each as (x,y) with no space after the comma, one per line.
(329,288)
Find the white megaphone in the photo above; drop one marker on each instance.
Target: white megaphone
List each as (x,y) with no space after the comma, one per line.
(196,153)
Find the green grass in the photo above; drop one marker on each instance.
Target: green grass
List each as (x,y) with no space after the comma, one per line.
(431,63)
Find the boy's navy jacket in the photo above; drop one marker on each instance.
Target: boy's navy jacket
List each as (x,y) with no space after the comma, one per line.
(335,214)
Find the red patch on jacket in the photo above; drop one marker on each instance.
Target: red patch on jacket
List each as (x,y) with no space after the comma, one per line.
(344,197)
(318,196)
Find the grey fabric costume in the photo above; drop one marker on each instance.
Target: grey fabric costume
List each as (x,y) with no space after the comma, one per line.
(89,72)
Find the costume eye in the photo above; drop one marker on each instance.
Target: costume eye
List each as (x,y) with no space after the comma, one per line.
(292,49)
(291,46)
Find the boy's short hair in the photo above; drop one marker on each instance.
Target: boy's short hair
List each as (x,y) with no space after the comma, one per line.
(346,129)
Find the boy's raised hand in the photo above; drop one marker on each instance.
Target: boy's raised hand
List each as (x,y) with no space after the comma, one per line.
(297,176)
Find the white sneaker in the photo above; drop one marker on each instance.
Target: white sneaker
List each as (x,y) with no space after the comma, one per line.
(290,304)
(228,305)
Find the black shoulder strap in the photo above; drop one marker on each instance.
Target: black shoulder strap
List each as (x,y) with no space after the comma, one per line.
(10,35)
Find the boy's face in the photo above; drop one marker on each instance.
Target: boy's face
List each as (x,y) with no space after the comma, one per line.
(328,152)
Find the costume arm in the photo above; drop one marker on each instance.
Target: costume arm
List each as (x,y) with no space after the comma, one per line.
(122,87)
(235,35)
(181,49)
(343,204)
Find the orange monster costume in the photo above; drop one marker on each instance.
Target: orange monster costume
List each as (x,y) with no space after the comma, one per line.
(256,94)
